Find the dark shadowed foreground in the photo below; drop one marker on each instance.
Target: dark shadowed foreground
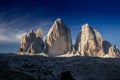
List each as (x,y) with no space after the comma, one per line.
(24,67)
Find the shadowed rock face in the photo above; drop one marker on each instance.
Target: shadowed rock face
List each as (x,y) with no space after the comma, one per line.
(89,42)
(58,40)
(106,46)
(32,42)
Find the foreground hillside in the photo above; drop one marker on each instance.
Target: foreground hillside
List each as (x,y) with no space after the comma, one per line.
(36,67)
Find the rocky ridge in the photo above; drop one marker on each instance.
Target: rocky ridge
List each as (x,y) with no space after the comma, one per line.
(58,42)
(32,43)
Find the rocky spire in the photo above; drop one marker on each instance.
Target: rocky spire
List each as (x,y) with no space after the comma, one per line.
(89,42)
(31,31)
(58,40)
(32,43)
(39,33)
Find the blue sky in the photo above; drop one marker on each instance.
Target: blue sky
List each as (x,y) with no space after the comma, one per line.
(18,16)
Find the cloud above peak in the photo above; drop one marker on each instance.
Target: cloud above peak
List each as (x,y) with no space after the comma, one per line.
(12,33)
(14,24)
(9,35)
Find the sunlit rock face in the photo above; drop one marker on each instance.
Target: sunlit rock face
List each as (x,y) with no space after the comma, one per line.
(89,42)
(32,43)
(58,40)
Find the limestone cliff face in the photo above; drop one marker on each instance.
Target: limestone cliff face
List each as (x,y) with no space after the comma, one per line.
(58,40)
(89,42)
(32,43)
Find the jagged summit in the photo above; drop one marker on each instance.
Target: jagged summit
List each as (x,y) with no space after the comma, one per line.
(31,31)
(32,43)
(58,24)
(39,33)
(58,20)
(86,25)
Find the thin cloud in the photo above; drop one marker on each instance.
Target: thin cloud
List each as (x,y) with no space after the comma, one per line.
(14,35)
(10,35)
(14,23)
(11,32)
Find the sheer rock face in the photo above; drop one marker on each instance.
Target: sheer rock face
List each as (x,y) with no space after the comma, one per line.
(32,42)
(89,42)
(58,40)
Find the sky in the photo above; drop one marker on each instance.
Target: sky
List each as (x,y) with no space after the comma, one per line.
(18,16)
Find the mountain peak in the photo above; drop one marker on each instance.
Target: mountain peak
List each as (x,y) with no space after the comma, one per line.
(31,31)
(39,33)
(86,26)
(89,41)
(58,39)
(58,20)
(32,43)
